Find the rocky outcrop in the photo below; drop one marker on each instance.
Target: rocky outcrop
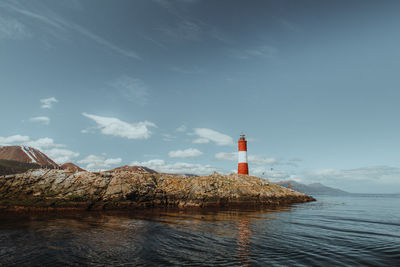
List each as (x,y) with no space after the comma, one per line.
(127,189)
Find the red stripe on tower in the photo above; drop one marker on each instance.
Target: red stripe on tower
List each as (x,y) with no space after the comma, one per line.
(243,167)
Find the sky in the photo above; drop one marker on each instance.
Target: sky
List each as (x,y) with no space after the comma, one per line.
(170,85)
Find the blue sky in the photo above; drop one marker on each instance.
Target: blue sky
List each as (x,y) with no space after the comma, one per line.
(171,85)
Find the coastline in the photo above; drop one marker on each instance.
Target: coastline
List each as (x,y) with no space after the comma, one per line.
(124,189)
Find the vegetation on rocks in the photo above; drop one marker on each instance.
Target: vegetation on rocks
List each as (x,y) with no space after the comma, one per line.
(13,167)
(125,188)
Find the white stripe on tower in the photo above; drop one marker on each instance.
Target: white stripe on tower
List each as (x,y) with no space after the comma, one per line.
(242,156)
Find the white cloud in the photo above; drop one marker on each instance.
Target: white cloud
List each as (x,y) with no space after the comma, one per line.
(131,89)
(95,163)
(177,167)
(13,139)
(41,119)
(201,141)
(207,135)
(42,143)
(48,102)
(116,127)
(181,128)
(168,137)
(60,155)
(187,153)
(254,159)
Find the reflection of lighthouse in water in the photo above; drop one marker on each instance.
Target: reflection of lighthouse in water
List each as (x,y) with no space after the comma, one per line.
(243,242)
(243,167)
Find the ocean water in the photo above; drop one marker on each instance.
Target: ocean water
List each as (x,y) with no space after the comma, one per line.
(360,230)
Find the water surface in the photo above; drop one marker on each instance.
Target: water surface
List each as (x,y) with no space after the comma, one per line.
(334,231)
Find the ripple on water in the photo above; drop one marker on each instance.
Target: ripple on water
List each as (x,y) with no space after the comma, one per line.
(332,231)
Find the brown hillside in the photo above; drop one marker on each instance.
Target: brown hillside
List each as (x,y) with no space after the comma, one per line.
(140,169)
(72,167)
(26,154)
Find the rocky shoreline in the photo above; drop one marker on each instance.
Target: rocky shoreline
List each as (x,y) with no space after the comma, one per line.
(124,188)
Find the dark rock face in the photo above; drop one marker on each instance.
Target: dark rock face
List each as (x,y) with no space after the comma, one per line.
(13,167)
(124,188)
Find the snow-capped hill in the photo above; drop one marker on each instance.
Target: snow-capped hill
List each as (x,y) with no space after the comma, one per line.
(26,154)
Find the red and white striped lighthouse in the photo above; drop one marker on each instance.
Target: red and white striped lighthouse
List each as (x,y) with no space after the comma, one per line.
(243,167)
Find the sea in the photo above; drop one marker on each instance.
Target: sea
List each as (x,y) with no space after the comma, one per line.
(354,230)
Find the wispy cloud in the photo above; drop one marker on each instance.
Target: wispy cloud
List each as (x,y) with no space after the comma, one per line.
(117,127)
(96,163)
(62,26)
(43,143)
(182,30)
(132,89)
(186,153)
(61,155)
(185,27)
(41,119)
(181,128)
(264,52)
(209,135)
(11,28)
(168,137)
(13,139)
(48,102)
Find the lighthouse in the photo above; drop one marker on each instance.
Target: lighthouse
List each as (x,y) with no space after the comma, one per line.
(243,167)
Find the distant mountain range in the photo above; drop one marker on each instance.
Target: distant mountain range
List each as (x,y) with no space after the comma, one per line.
(312,189)
(19,159)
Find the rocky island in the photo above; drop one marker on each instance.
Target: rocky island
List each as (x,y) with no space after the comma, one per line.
(132,187)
